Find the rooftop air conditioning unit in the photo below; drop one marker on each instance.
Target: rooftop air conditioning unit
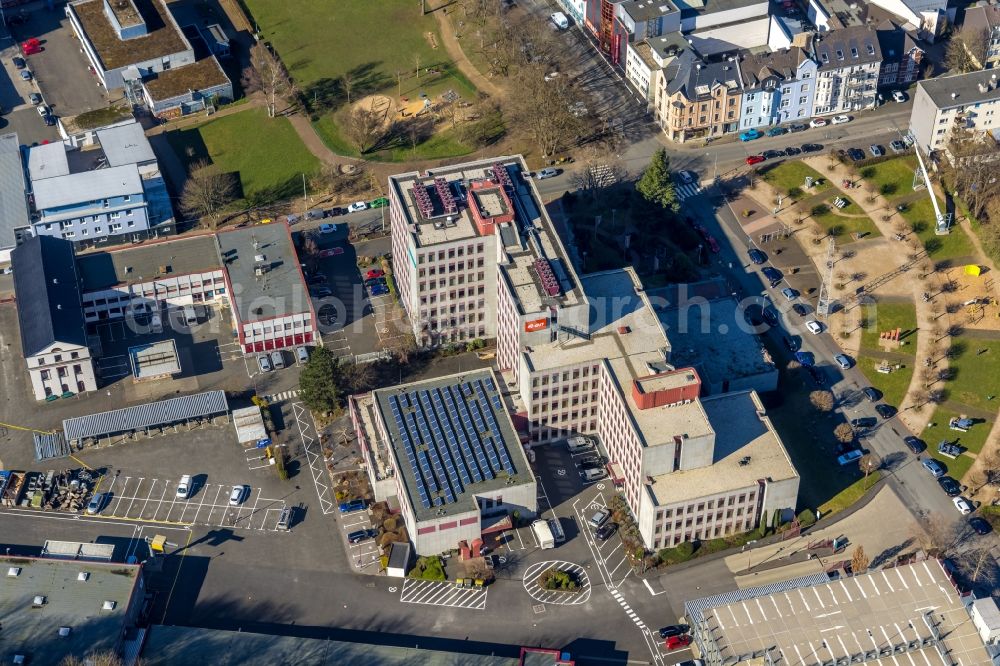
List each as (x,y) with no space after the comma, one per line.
(14,572)
(64,631)
(108,605)
(39,600)
(259,258)
(82,576)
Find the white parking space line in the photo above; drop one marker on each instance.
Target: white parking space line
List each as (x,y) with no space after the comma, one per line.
(149,496)
(159,505)
(120,495)
(435,593)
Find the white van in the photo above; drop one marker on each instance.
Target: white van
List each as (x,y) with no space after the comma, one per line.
(559,20)
(190,316)
(155,324)
(579,443)
(593,474)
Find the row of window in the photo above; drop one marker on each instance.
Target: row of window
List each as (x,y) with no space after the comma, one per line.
(61,371)
(56,358)
(743,498)
(99,231)
(451,268)
(451,253)
(453,309)
(450,282)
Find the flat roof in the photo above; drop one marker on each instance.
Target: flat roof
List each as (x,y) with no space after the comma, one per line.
(154,359)
(906,614)
(86,186)
(964,87)
(280,289)
(125,144)
(47,160)
(713,338)
(162,39)
(13,203)
(103,269)
(148,415)
(647,10)
(33,629)
(200,75)
(194,646)
(747,448)
(453,438)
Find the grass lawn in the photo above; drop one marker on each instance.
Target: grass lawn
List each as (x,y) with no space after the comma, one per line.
(976,374)
(889,316)
(972,440)
(893,385)
(849,495)
(266,152)
(790,175)
(841,227)
(443,144)
(894,178)
(920,216)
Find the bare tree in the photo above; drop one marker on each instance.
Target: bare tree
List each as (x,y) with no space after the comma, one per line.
(938,536)
(364,128)
(416,64)
(981,557)
(822,400)
(859,561)
(869,463)
(103,658)
(547,110)
(206,191)
(347,81)
(267,74)
(844,433)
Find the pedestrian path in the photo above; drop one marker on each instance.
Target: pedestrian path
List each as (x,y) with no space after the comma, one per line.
(442,593)
(632,615)
(284,395)
(688,191)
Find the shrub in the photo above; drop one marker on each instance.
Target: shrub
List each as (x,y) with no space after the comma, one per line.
(682,552)
(553,579)
(807,517)
(428,568)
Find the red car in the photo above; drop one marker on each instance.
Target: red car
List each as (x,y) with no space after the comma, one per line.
(712,244)
(31,47)
(675,642)
(374,273)
(755,159)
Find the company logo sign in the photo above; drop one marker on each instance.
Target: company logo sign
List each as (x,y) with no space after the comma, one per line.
(536,325)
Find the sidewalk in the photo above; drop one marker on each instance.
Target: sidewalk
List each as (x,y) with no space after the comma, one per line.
(450,40)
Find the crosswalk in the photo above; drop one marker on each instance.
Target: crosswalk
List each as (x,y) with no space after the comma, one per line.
(284,395)
(434,593)
(688,191)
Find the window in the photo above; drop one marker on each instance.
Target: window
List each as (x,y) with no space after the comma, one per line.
(803,100)
(871,49)
(840,54)
(854,52)
(105,203)
(127,197)
(826,58)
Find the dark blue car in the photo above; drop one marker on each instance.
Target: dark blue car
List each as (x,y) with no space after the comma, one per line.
(805,358)
(353,505)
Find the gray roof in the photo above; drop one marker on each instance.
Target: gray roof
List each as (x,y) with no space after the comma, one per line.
(456,440)
(694,77)
(895,42)
(963,89)
(13,204)
(702,7)
(48,294)
(647,10)
(69,602)
(47,160)
(183,646)
(125,144)
(783,64)
(100,270)
(281,290)
(151,414)
(78,188)
(837,48)
(983,17)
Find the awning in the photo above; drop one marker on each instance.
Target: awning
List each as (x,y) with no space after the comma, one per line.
(140,417)
(616,473)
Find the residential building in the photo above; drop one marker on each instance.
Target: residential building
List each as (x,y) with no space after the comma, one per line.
(986,618)
(970,102)
(646,60)
(14,224)
(139,46)
(697,99)
(908,613)
(848,73)
(778,87)
(54,608)
(457,467)
(984,20)
(902,56)
(50,319)
(927,18)
(636,20)
(108,195)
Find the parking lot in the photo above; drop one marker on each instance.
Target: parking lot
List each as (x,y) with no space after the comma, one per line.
(443,593)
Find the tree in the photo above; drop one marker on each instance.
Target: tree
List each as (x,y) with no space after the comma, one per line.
(319,381)
(103,658)
(547,111)
(206,191)
(859,561)
(364,128)
(844,433)
(822,400)
(268,75)
(957,56)
(868,463)
(347,82)
(656,184)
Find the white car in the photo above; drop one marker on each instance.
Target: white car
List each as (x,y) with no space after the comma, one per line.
(327,228)
(686,177)
(184,487)
(898,96)
(237,495)
(814,327)
(840,120)
(843,360)
(547,173)
(43,110)
(818,122)
(357,206)
(963,505)
(789,293)
(264,363)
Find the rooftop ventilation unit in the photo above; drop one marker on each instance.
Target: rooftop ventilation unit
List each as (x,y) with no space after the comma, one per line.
(39,600)
(500,175)
(445,195)
(548,279)
(108,605)
(423,200)
(64,631)
(14,572)
(83,576)
(259,258)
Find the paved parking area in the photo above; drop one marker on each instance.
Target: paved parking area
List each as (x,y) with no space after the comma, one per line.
(315,459)
(557,597)
(438,593)
(363,555)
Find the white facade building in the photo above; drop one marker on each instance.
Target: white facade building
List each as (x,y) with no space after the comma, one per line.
(847,77)
(967,101)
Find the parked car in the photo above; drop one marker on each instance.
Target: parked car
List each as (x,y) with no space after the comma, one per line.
(789,293)
(327,228)
(963,505)
(756,256)
(773,275)
(797,127)
(818,122)
(885,411)
(770,316)
(25,74)
(49,120)
(844,361)
(374,273)
(335,211)
(872,393)
(755,159)
(264,363)
(378,203)
(362,535)
(237,494)
(812,147)
(749,135)
(914,444)
(805,358)
(35,98)
(278,359)
(687,177)
(897,146)
(949,450)
(97,503)
(792,343)
(864,422)
(876,150)
(814,327)
(936,469)
(321,292)
(855,154)
(357,206)
(674,630)
(19,62)
(898,96)
(677,642)
(840,120)
(353,505)
(817,375)
(849,457)
(800,309)
(980,525)
(776,131)
(772,154)
(792,150)
(950,486)
(606,531)
(378,290)
(599,518)
(302,353)
(547,173)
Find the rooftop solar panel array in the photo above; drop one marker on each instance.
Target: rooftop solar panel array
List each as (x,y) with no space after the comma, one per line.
(451,438)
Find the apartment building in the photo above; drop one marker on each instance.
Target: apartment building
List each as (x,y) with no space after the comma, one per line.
(848,73)
(14,223)
(636,20)
(698,99)
(902,56)
(646,60)
(969,102)
(984,19)
(778,87)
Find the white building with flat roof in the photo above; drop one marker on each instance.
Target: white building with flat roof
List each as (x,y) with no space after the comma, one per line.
(962,102)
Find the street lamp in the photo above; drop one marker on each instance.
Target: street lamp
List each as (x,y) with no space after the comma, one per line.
(746,547)
(715,169)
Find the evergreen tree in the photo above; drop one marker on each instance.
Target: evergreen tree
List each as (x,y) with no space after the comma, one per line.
(656,185)
(319,381)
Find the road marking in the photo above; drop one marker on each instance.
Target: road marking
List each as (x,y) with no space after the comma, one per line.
(437,593)
(313,458)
